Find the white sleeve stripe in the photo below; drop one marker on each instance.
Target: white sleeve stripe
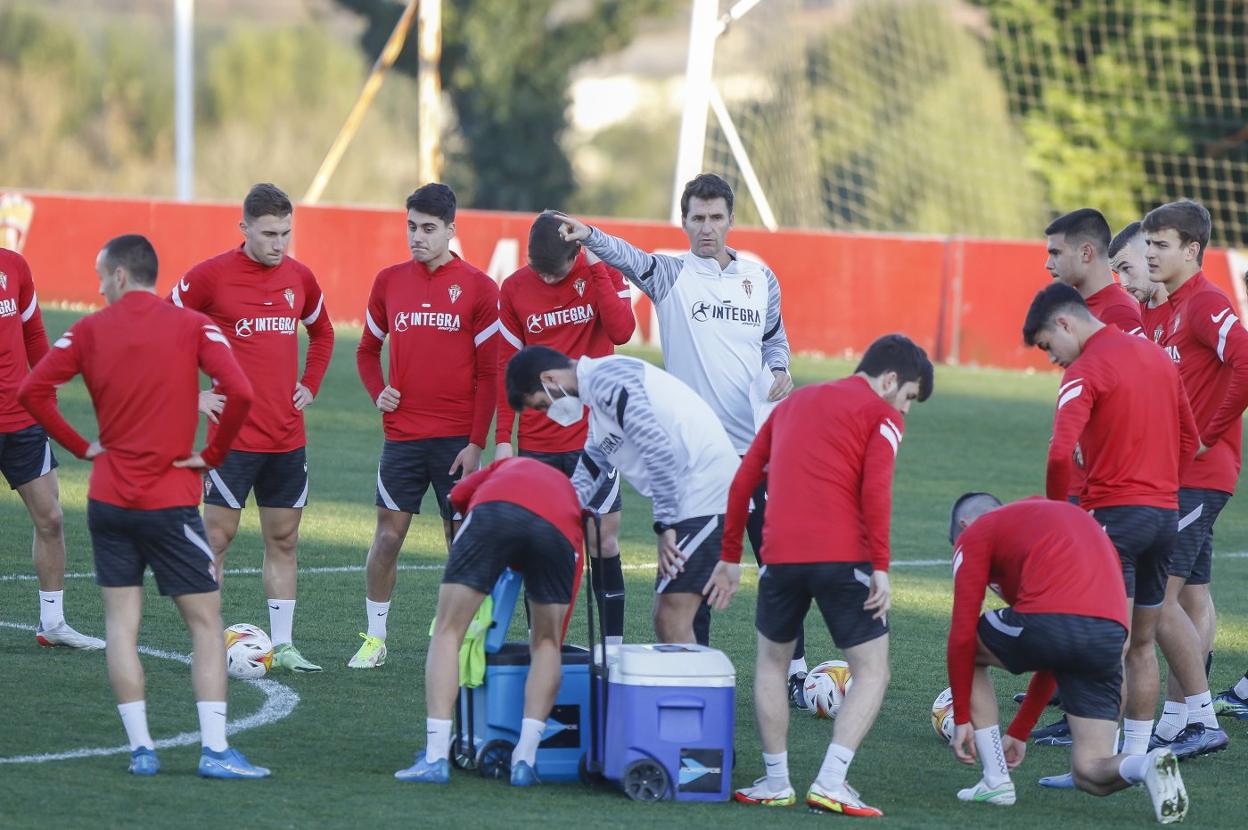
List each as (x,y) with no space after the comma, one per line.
(1230,321)
(1069,396)
(893,428)
(626,294)
(31,309)
(508,336)
(217,337)
(890,437)
(177,297)
(1062,389)
(63,343)
(316,312)
(485,334)
(373,327)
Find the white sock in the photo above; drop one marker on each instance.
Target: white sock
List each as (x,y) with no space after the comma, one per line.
(281,620)
(613,640)
(134,718)
(212,725)
(992,756)
(1138,733)
(835,767)
(777,767)
(51,609)
(1173,719)
(1133,768)
(1241,688)
(438,734)
(798,666)
(1200,710)
(530,736)
(378,613)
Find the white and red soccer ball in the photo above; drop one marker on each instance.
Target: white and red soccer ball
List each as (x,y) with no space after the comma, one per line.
(248,652)
(826,686)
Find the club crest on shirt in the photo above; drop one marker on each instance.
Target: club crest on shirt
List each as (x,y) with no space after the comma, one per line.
(290,297)
(1157,333)
(454,291)
(579,285)
(4,281)
(747,287)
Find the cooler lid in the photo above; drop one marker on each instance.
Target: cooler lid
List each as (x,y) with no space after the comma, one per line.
(670,664)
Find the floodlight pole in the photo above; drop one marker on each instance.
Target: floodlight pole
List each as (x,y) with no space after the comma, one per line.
(429,86)
(702,33)
(184,97)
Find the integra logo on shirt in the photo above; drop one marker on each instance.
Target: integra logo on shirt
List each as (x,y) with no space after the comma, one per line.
(611,443)
(1173,351)
(577,314)
(8,308)
(247,326)
(703,311)
(439,320)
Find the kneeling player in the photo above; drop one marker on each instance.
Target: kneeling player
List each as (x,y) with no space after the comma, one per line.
(1067,622)
(828,451)
(520,513)
(145,480)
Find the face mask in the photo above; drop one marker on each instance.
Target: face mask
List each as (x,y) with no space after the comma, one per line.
(564,411)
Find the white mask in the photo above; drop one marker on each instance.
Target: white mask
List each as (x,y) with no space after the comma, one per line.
(564,411)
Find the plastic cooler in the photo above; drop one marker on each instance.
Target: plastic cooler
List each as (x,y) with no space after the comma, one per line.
(488,716)
(670,719)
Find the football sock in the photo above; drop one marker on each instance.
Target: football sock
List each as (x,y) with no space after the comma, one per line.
(799,648)
(992,756)
(835,767)
(378,613)
(1241,688)
(1200,710)
(1173,719)
(607,577)
(51,609)
(1133,768)
(134,718)
(1208,665)
(1138,733)
(526,748)
(438,734)
(281,620)
(777,767)
(798,666)
(212,725)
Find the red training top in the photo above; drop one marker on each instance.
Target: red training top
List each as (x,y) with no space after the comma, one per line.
(1123,402)
(140,359)
(1155,318)
(1209,344)
(827,452)
(259,309)
(586,314)
(525,482)
(1041,557)
(22,338)
(443,356)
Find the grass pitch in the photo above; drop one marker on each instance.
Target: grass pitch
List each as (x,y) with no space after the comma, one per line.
(333,755)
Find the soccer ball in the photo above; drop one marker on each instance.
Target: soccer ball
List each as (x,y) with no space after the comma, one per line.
(826,686)
(942,716)
(248,651)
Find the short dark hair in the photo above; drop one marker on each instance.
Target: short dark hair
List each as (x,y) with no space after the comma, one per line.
(898,353)
(549,252)
(970,506)
(1188,218)
(524,372)
(1083,225)
(434,199)
(1124,236)
(705,186)
(134,253)
(1054,299)
(266,199)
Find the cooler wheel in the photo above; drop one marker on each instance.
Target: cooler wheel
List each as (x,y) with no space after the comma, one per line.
(645,780)
(495,759)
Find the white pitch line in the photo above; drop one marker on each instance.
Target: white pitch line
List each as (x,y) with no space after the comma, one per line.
(279,701)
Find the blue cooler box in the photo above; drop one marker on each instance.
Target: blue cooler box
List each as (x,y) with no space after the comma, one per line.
(670,721)
(489,716)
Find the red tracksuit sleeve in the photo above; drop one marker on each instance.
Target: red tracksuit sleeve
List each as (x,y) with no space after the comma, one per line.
(38,390)
(508,343)
(614,301)
(461,493)
(217,361)
(876,497)
(1228,338)
(1039,693)
(34,335)
(971,560)
(744,483)
(1075,398)
(315,317)
(485,336)
(368,353)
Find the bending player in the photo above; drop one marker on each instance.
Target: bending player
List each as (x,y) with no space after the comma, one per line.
(26,459)
(568,300)
(145,480)
(519,513)
(258,296)
(829,452)
(663,439)
(437,401)
(1055,567)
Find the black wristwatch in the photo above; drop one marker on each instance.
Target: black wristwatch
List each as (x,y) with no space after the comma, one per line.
(660,528)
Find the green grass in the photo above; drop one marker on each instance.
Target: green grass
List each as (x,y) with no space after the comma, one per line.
(334,755)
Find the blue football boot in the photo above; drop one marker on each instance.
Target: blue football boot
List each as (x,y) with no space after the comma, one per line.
(438,772)
(523,775)
(143,761)
(228,764)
